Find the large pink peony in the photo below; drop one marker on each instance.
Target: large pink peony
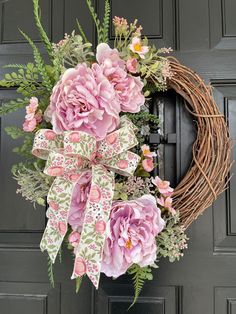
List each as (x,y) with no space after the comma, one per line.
(133,227)
(84,100)
(128,88)
(78,203)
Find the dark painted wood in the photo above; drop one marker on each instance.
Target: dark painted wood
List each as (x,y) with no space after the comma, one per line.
(203,35)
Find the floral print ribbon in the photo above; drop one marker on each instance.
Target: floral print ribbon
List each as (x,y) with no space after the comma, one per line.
(68,155)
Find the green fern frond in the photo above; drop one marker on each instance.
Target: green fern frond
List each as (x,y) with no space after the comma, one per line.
(50,272)
(13,105)
(41,30)
(17,66)
(82,33)
(96,20)
(106,22)
(39,63)
(78,283)
(139,275)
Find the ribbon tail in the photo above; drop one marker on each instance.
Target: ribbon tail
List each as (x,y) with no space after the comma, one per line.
(88,255)
(59,200)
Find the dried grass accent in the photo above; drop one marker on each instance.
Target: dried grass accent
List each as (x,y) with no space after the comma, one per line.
(207,176)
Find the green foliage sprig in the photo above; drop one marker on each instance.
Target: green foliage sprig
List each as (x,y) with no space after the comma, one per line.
(46,80)
(13,105)
(139,276)
(102,28)
(41,30)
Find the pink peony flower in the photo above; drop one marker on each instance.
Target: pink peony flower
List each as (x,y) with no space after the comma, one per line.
(128,88)
(84,100)
(131,65)
(162,186)
(136,47)
(146,151)
(148,164)
(74,238)
(79,200)
(133,227)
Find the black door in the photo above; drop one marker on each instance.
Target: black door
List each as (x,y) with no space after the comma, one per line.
(203,35)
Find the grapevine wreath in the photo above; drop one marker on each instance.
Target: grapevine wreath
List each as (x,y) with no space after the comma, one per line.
(83,143)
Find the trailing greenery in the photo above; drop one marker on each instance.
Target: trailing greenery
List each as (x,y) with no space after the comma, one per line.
(50,272)
(139,275)
(41,30)
(15,132)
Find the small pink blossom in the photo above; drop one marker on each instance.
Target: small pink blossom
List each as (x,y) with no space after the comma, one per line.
(146,151)
(32,118)
(136,47)
(31,108)
(162,186)
(166,203)
(74,238)
(148,164)
(29,125)
(131,65)
(74,137)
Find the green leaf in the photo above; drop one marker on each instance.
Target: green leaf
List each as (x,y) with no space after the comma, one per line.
(13,105)
(78,282)
(41,30)
(14,132)
(139,275)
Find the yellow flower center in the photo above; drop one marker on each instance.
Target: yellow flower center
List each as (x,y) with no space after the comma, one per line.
(137,47)
(128,244)
(146,152)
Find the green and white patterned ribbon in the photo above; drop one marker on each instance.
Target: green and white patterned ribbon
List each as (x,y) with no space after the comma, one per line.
(68,156)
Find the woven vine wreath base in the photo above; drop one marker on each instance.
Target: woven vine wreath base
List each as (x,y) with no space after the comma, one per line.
(208,172)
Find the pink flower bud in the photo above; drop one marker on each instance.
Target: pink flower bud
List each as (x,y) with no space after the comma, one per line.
(123,164)
(100,226)
(95,194)
(111,138)
(62,227)
(80,267)
(54,205)
(74,238)
(74,137)
(50,135)
(148,164)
